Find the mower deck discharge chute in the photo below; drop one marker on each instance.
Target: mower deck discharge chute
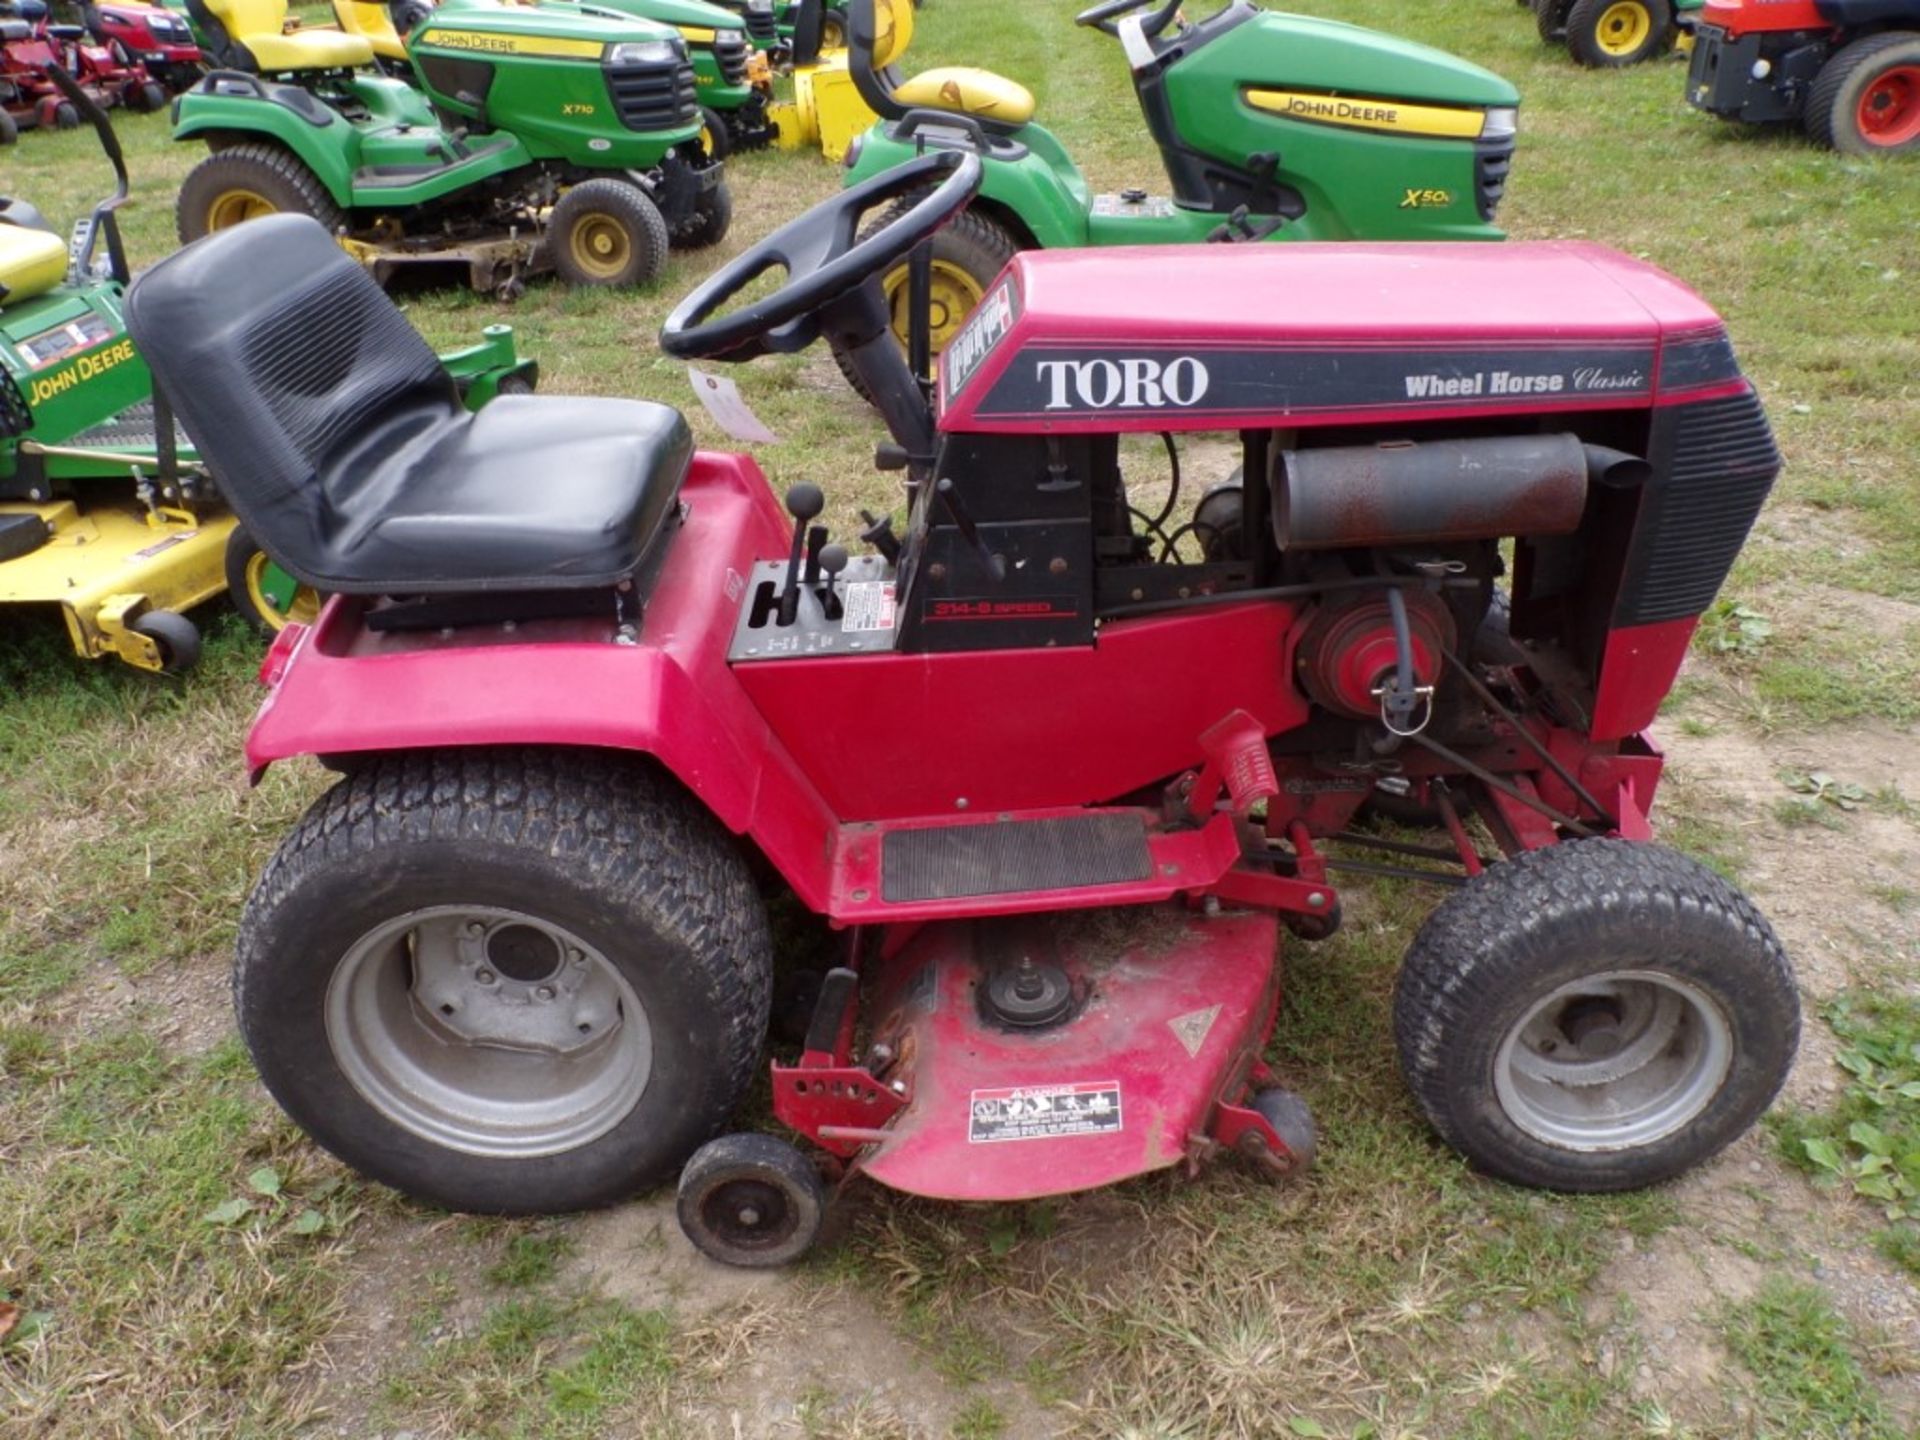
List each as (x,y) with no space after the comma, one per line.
(1058,762)
(527,139)
(1848,71)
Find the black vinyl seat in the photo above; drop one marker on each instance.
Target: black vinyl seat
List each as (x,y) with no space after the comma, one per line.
(341,443)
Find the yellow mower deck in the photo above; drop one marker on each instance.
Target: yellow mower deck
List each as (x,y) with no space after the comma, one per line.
(109,564)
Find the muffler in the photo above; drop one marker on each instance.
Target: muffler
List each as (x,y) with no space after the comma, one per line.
(1440,490)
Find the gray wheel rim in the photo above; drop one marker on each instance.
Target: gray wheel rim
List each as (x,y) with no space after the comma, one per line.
(1618,1060)
(488,1031)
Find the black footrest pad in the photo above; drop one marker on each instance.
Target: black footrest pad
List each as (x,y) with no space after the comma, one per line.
(1010,856)
(22,535)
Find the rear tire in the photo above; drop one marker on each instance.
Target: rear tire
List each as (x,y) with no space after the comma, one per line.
(607,232)
(1866,100)
(1610,34)
(9,129)
(417,960)
(967,254)
(1597,1016)
(245,182)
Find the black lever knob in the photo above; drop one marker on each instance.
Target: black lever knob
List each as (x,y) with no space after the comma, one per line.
(833,559)
(879,534)
(805,500)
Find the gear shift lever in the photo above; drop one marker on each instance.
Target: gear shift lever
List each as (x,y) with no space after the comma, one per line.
(804,501)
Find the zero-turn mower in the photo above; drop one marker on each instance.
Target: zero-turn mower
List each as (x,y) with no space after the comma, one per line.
(1057,765)
(1848,71)
(1269,126)
(1607,34)
(559,137)
(121,530)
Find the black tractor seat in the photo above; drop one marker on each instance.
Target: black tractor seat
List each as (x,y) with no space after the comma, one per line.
(340,442)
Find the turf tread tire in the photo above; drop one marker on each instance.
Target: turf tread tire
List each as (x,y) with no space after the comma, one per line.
(1832,95)
(1583,40)
(289,184)
(629,204)
(578,821)
(1491,949)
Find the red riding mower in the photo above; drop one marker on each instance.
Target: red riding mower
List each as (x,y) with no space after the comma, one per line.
(29,44)
(1055,769)
(1846,70)
(153,35)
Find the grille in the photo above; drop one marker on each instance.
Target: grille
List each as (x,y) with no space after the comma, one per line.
(660,96)
(730,49)
(1492,161)
(762,26)
(1722,464)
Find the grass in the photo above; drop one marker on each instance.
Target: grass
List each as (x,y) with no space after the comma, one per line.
(1390,1293)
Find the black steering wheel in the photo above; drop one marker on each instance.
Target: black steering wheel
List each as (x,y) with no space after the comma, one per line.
(822,260)
(1104,16)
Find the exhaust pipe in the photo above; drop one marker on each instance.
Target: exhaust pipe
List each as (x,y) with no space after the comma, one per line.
(1440,490)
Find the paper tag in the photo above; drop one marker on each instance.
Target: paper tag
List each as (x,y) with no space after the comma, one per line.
(729,410)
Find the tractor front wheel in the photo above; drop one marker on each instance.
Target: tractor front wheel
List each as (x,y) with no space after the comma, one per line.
(1550,19)
(1866,101)
(267,597)
(1596,1016)
(712,218)
(146,97)
(715,137)
(607,232)
(244,182)
(967,254)
(1607,34)
(506,981)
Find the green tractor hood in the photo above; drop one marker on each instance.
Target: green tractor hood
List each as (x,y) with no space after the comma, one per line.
(683,15)
(550,29)
(1332,57)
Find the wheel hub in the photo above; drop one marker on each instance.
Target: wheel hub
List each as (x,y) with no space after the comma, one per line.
(489,1031)
(1616,1061)
(1890,108)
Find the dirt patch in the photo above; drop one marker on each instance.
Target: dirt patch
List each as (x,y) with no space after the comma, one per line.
(185,1005)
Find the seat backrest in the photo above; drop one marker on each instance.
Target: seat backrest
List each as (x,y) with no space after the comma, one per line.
(878,32)
(226,25)
(372,20)
(280,355)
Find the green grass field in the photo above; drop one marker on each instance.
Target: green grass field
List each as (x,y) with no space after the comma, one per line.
(176,1260)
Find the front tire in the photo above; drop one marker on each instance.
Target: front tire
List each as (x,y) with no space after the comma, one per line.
(715,137)
(266,597)
(1609,34)
(1598,1016)
(607,232)
(245,182)
(1866,101)
(506,981)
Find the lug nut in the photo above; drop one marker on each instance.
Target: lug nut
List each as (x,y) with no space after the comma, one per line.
(485,977)
(545,992)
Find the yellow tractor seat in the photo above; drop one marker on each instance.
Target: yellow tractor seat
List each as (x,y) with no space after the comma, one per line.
(967,91)
(32,262)
(372,22)
(252,35)
(878,33)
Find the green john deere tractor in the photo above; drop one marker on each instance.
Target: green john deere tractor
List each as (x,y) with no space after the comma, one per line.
(734,80)
(106,512)
(1269,126)
(559,137)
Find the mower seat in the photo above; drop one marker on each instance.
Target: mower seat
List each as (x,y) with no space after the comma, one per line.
(339,440)
(251,35)
(372,22)
(11,30)
(878,32)
(32,262)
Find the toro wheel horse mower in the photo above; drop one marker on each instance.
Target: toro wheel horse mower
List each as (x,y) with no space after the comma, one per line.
(1848,71)
(561,138)
(1057,782)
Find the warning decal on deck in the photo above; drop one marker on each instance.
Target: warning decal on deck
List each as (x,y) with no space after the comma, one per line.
(1045,1112)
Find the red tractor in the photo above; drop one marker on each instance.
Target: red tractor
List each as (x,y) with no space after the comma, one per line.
(152,35)
(1846,70)
(30,43)
(1056,765)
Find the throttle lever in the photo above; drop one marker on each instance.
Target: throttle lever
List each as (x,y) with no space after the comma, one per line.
(996,564)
